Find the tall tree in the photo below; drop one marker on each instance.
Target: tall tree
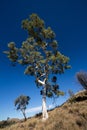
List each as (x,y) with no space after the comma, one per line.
(21,102)
(39,53)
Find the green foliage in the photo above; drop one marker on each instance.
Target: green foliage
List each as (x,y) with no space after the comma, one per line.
(12,53)
(39,53)
(52,89)
(21,102)
(82,78)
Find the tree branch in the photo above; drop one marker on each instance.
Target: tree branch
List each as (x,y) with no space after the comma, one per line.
(41,82)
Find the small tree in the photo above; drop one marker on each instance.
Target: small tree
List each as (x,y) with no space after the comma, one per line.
(21,102)
(39,53)
(82,78)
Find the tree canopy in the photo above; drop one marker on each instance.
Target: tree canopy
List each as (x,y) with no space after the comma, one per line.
(39,52)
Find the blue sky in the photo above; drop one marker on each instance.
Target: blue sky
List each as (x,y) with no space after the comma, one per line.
(68,19)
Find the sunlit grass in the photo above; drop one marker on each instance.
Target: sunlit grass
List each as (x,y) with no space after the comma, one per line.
(69,116)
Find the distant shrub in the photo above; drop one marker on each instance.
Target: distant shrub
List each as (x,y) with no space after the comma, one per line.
(8,118)
(71,93)
(72,100)
(38,114)
(4,124)
(82,78)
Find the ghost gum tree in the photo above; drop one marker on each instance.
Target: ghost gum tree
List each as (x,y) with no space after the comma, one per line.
(39,53)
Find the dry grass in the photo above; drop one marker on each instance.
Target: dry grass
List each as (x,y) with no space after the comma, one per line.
(70,116)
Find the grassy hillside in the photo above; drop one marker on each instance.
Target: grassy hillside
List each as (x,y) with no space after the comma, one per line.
(72,115)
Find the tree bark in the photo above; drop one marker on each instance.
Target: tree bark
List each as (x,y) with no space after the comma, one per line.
(24,115)
(44,107)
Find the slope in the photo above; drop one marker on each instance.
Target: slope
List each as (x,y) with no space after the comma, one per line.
(72,115)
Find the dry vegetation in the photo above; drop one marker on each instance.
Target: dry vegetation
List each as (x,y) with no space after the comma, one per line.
(72,115)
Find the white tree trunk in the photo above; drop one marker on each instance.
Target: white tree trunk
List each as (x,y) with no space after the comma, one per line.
(44,107)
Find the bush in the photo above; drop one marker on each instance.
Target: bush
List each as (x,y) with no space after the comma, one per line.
(82,78)
(4,124)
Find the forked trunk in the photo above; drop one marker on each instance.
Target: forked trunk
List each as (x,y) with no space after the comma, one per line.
(44,107)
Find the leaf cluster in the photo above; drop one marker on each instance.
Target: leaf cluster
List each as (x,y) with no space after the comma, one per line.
(40,50)
(52,89)
(12,53)
(21,102)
